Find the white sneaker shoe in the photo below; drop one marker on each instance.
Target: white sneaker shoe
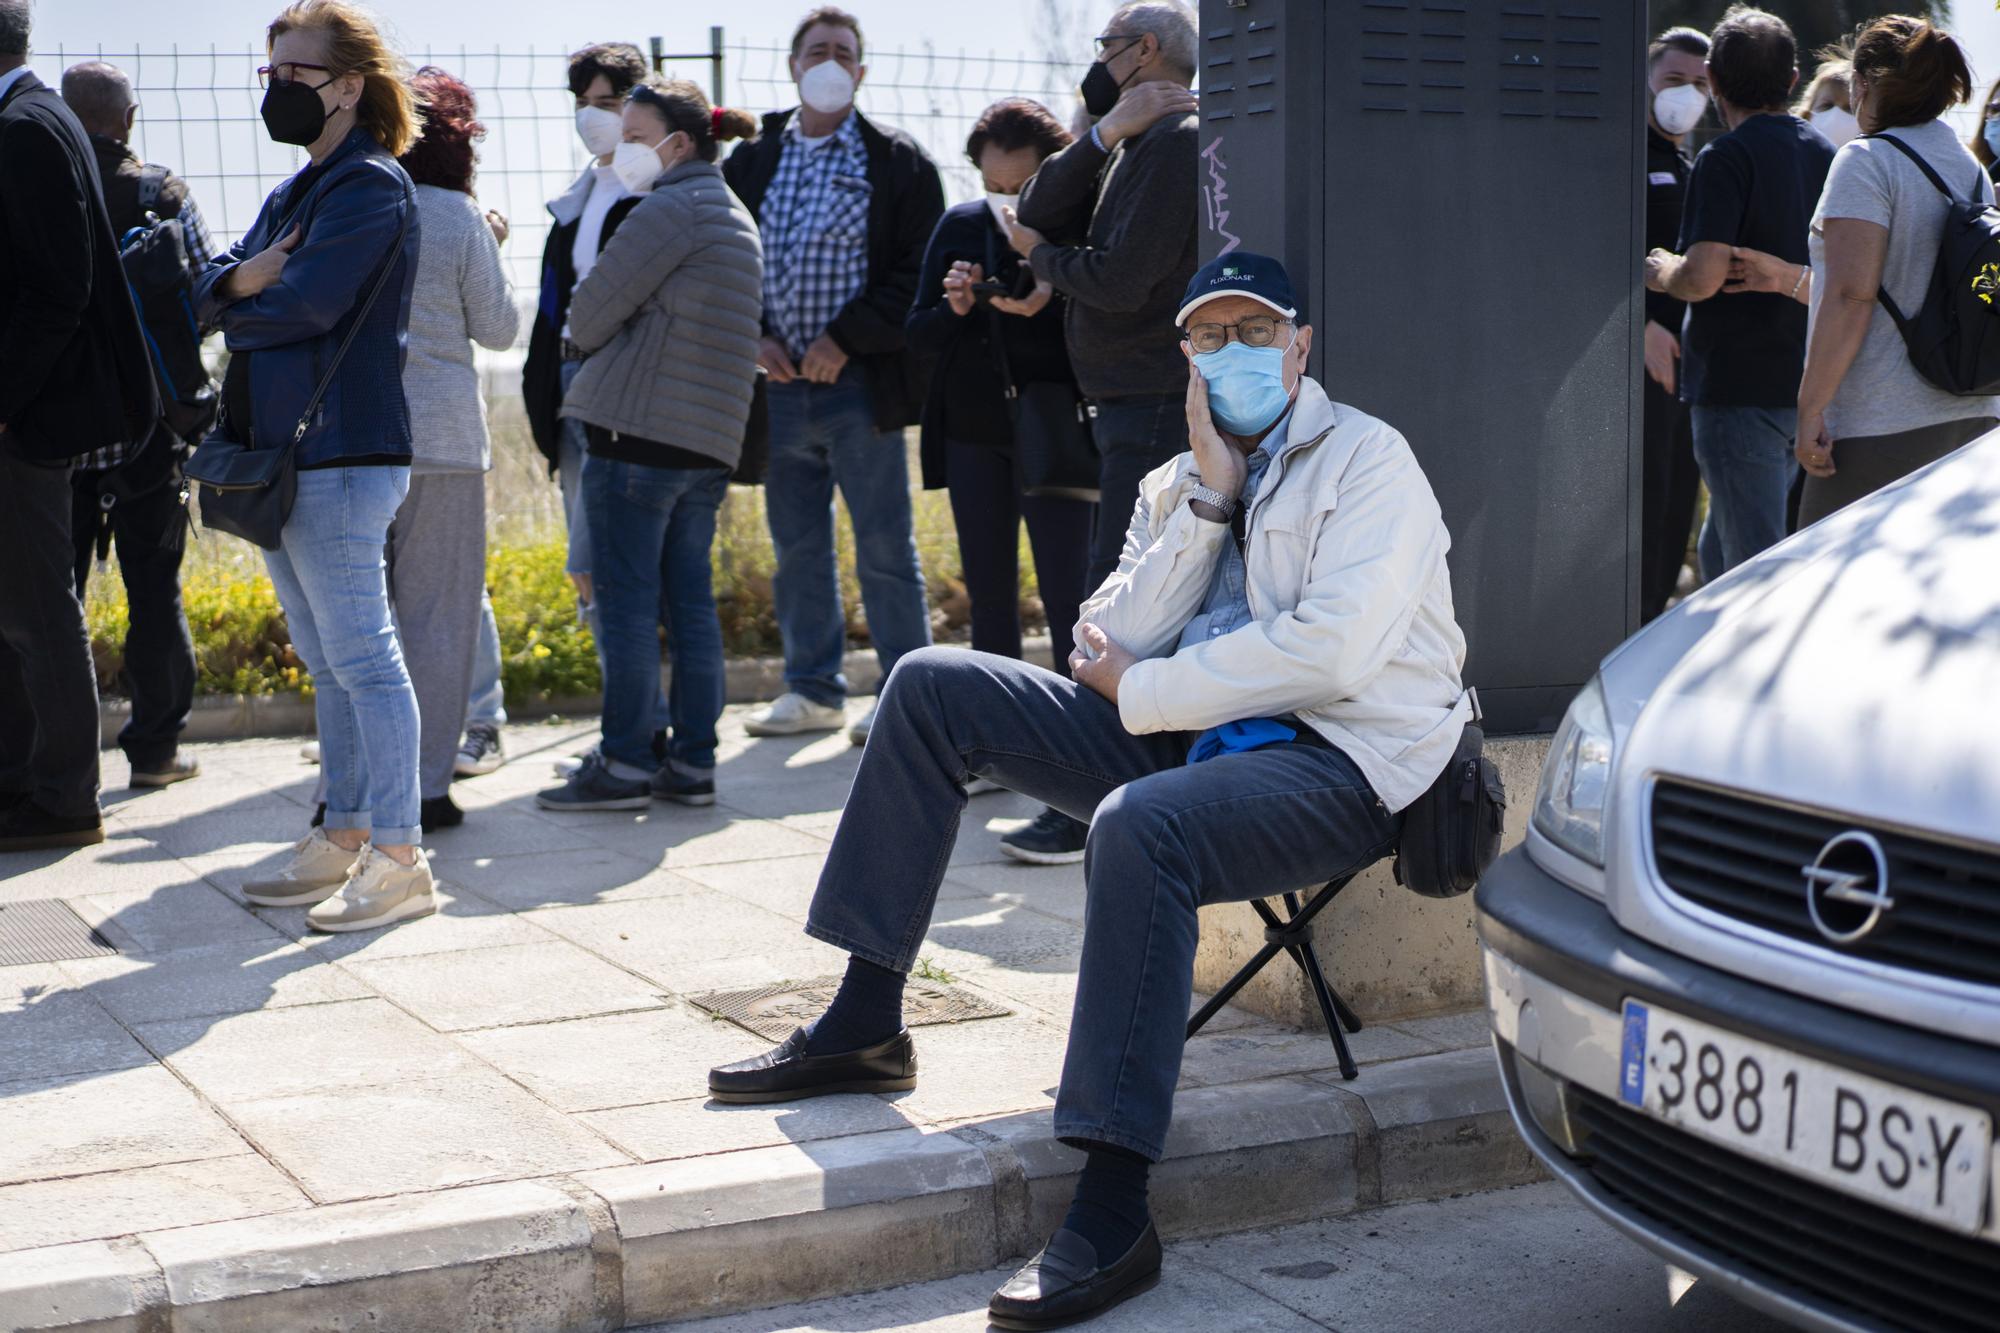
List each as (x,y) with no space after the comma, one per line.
(794,715)
(980,786)
(317,868)
(310,752)
(567,766)
(858,733)
(378,892)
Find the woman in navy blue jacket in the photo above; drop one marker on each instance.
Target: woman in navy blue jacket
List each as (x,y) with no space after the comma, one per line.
(285,297)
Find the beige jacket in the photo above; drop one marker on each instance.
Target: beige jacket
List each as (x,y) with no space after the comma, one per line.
(1352,625)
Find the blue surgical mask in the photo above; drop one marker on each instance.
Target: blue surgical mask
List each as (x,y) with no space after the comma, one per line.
(1992,133)
(1246,386)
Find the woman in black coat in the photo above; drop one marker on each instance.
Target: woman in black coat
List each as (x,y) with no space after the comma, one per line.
(978,339)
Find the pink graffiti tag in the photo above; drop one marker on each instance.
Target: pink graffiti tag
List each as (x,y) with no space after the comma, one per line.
(1215,194)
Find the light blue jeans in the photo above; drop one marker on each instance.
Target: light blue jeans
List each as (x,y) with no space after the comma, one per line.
(333,584)
(1745,456)
(486,701)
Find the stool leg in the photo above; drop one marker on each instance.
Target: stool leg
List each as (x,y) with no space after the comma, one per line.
(1329,1004)
(1234,984)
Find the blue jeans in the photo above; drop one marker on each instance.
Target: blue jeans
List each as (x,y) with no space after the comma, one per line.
(823,435)
(572,448)
(486,700)
(1165,840)
(333,583)
(1745,456)
(651,531)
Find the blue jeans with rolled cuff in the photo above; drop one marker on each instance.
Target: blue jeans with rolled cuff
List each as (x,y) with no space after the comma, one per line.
(1746,460)
(1166,840)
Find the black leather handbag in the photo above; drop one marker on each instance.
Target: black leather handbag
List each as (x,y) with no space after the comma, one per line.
(1055,453)
(248,492)
(1452,833)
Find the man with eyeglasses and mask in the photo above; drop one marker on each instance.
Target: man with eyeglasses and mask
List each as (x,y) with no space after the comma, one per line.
(1262,686)
(1110,223)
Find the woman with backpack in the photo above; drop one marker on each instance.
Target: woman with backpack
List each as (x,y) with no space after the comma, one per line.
(329,265)
(1867,416)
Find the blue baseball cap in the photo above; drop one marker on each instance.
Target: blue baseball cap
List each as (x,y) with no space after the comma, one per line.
(1240,273)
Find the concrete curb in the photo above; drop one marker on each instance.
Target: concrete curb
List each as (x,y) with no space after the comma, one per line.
(737,1231)
(242,716)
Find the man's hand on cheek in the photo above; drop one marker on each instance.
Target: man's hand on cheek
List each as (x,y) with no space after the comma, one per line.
(1106,669)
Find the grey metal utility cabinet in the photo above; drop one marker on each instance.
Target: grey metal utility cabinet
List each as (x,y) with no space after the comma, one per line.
(1455,186)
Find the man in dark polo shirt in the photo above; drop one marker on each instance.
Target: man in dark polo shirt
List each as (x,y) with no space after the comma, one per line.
(1677,76)
(1742,354)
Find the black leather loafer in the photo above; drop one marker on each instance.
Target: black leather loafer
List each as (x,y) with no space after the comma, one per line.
(1064,1285)
(786,1073)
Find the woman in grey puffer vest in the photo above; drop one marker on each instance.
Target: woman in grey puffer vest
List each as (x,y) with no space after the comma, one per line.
(670,316)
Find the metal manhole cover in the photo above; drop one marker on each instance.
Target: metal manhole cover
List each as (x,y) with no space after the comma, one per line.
(773,1011)
(45,931)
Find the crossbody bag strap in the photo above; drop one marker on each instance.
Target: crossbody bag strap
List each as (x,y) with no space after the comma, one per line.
(381,280)
(1008,389)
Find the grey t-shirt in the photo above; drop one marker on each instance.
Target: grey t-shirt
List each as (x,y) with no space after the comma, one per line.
(1872,181)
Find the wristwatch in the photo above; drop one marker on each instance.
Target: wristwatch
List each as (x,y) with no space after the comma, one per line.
(1209,495)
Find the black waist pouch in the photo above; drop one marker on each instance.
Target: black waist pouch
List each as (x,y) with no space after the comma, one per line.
(1452,833)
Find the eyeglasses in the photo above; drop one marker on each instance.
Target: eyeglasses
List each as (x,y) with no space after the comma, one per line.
(287,72)
(1255,331)
(1108,38)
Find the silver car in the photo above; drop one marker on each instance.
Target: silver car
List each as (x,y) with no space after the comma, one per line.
(1744,976)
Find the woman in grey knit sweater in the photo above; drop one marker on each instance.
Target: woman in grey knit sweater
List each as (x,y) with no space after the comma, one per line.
(670,317)
(437,545)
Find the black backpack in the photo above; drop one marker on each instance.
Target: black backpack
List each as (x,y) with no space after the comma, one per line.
(156,268)
(1954,340)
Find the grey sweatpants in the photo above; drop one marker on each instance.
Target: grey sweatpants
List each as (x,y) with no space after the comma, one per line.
(437,571)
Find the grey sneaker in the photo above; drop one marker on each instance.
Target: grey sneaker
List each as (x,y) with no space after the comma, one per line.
(379,892)
(481,751)
(178,769)
(795,715)
(317,867)
(858,733)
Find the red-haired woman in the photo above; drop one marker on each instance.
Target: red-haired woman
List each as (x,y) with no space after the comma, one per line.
(437,545)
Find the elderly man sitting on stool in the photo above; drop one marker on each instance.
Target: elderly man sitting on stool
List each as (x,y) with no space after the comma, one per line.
(1268,679)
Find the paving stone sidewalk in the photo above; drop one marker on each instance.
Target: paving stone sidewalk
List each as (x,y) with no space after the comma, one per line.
(228,1064)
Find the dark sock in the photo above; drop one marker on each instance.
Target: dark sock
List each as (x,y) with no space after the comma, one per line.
(867,1009)
(1109,1209)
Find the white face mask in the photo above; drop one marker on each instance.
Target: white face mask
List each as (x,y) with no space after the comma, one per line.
(827,87)
(996,202)
(637,165)
(1679,109)
(1838,126)
(599,129)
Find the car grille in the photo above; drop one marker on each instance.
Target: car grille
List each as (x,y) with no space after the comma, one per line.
(1746,858)
(1827,1247)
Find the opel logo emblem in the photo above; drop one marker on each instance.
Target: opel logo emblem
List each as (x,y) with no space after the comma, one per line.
(1847,887)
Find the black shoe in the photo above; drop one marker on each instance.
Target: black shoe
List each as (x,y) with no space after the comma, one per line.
(177,769)
(440,812)
(672,784)
(26,827)
(786,1073)
(1053,839)
(319,814)
(659,747)
(1064,1285)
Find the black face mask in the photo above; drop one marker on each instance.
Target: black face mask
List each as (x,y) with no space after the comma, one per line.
(1100,90)
(293,113)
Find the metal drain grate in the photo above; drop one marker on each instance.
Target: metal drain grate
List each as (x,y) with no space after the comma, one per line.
(773,1011)
(44,931)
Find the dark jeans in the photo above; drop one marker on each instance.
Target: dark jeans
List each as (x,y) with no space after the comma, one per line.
(651,529)
(48,686)
(1165,840)
(1672,482)
(1134,435)
(988,507)
(1746,460)
(159,654)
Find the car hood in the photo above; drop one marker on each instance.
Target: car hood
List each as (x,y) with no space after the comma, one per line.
(1853,669)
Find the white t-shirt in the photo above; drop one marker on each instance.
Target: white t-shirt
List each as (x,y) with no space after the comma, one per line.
(1873,181)
(605,190)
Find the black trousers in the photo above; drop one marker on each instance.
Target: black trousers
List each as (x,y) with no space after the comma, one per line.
(988,506)
(1134,435)
(159,654)
(48,688)
(1671,482)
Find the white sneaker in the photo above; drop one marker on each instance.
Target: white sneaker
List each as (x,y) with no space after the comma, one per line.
(310,752)
(481,751)
(980,786)
(858,733)
(794,715)
(316,869)
(378,892)
(567,766)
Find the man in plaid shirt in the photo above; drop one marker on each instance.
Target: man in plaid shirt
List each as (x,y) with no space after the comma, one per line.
(846,208)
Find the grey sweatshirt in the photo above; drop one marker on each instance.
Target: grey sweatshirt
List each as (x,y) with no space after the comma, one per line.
(461,297)
(1126,281)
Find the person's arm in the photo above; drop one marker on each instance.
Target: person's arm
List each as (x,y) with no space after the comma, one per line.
(491,317)
(1855,253)
(1694,276)
(1712,220)
(872,323)
(194,230)
(931,316)
(1754,271)
(46,212)
(1367,577)
(654,240)
(1058,198)
(1147,236)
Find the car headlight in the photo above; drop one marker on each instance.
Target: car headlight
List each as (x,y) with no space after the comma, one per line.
(1569,809)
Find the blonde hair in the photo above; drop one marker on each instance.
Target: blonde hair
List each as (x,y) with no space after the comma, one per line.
(388,108)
